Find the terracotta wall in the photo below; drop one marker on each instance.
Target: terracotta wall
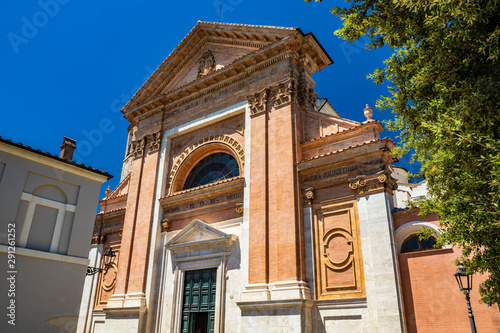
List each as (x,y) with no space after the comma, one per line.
(433,302)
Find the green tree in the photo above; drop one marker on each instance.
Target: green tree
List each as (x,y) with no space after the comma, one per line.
(444,86)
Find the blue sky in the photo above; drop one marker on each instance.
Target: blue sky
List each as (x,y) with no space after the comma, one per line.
(69,66)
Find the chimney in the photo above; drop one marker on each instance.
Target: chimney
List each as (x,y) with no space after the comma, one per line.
(67,148)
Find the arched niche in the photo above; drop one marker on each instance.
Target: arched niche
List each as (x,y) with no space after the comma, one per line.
(198,151)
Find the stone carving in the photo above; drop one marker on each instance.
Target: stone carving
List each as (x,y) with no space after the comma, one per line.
(258,102)
(307,97)
(338,252)
(109,277)
(154,142)
(379,181)
(239,208)
(327,239)
(224,139)
(165,223)
(138,146)
(207,64)
(98,239)
(284,93)
(237,127)
(309,195)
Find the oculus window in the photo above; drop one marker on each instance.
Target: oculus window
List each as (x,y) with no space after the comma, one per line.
(415,244)
(211,169)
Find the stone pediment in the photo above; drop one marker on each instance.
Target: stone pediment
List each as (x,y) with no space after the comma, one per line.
(214,52)
(198,235)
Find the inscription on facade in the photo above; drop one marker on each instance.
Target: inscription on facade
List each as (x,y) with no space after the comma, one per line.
(202,203)
(331,173)
(215,96)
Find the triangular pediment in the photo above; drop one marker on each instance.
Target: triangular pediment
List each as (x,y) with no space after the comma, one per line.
(198,233)
(212,52)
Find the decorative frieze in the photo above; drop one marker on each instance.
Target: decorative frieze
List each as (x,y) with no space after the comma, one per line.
(258,102)
(371,183)
(154,142)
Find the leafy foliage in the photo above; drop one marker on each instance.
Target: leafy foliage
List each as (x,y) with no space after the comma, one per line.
(444,81)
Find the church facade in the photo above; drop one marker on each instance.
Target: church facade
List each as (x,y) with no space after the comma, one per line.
(246,203)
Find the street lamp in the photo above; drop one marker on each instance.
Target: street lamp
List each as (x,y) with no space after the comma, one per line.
(464,282)
(109,258)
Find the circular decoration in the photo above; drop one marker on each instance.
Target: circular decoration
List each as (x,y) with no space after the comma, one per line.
(109,278)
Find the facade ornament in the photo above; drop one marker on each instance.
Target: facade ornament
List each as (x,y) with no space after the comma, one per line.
(239,208)
(284,93)
(226,140)
(165,223)
(307,97)
(154,142)
(207,64)
(309,195)
(137,148)
(98,239)
(373,183)
(258,102)
(107,192)
(368,111)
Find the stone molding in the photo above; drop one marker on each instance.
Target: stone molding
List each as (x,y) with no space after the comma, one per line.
(226,140)
(380,181)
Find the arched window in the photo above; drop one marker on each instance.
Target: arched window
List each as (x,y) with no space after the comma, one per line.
(211,169)
(414,244)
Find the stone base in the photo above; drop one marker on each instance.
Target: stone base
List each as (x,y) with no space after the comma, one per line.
(276,316)
(123,314)
(283,290)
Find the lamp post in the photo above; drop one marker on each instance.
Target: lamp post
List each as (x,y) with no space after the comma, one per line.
(464,282)
(109,258)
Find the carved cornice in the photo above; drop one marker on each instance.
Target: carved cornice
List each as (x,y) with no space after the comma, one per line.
(258,102)
(380,181)
(154,142)
(222,139)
